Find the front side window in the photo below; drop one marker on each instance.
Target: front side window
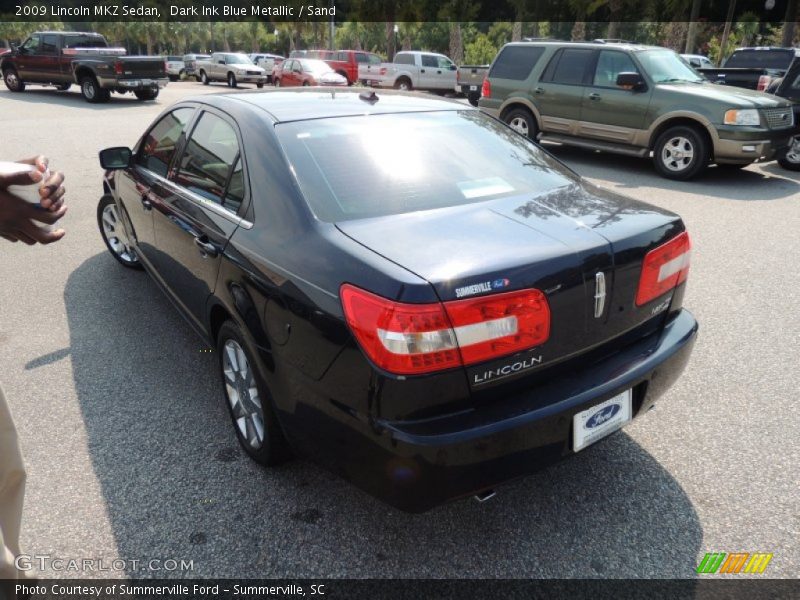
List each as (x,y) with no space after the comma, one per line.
(159,144)
(611,63)
(570,66)
(209,158)
(444,63)
(432,160)
(31,44)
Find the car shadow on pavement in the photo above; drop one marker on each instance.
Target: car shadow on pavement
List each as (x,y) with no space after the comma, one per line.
(630,173)
(177,486)
(71,97)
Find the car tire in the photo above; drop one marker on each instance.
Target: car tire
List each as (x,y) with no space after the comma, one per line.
(671,149)
(403,84)
(114,234)
(473,99)
(789,157)
(63,87)
(248,398)
(92,92)
(204,78)
(12,80)
(278,82)
(232,80)
(172,77)
(182,74)
(260,85)
(523,122)
(306,84)
(146,94)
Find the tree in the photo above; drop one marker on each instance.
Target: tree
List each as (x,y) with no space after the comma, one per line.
(480,51)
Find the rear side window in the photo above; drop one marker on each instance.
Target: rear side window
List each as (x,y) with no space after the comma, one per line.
(610,64)
(760,59)
(209,158)
(159,144)
(429,60)
(404,59)
(84,41)
(568,66)
(516,62)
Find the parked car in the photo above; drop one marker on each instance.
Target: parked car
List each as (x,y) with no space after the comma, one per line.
(267,62)
(61,58)
(788,87)
(347,63)
(469,81)
(753,68)
(697,61)
(231,67)
(414,70)
(633,100)
(307,71)
(176,68)
(471,311)
(190,64)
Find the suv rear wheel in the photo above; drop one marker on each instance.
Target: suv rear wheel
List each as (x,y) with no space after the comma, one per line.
(522,121)
(680,153)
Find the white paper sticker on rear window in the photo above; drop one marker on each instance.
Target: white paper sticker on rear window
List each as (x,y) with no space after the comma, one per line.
(479,188)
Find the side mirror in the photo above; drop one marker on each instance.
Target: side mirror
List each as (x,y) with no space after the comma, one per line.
(13,46)
(630,81)
(116,158)
(453,68)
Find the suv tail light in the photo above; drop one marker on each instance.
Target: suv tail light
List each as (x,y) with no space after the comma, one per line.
(763,83)
(664,268)
(412,339)
(118,67)
(486,89)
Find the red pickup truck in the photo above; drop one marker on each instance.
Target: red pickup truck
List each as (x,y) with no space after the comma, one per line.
(344,62)
(62,58)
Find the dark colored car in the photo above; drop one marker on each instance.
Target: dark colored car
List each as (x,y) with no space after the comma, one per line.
(753,68)
(467,313)
(295,72)
(788,87)
(62,58)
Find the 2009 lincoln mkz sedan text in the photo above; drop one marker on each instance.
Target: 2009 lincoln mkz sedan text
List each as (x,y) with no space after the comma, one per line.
(399,286)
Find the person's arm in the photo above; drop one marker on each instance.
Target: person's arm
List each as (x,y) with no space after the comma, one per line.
(17,217)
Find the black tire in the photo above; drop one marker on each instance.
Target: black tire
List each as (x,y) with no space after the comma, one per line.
(12,80)
(671,147)
(91,90)
(204,78)
(259,85)
(273,448)
(473,98)
(232,80)
(146,94)
(114,248)
(172,77)
(404,83)
(277,82)
(523,122)
(789,157)
(182,74)
(306,84)
(63,87)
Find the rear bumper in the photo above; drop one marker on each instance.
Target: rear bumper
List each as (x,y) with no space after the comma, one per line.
(144,83)
(737,145)
(415,466)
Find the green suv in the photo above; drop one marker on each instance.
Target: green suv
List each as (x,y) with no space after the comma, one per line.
(633,100)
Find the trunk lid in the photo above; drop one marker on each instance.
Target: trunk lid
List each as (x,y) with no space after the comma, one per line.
(142,66)
(556,242)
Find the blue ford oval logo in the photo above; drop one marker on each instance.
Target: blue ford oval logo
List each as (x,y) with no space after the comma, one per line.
(601,416)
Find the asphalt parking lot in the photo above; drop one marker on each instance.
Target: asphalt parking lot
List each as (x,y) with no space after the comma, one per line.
(131,453)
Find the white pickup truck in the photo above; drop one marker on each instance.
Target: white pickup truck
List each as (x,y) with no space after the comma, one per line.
(412,70)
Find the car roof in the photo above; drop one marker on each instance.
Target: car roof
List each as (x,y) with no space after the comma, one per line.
(68,33)
(590,44)
(319,103)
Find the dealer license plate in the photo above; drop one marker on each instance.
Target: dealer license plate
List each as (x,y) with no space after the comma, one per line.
(597,422)
(473,88)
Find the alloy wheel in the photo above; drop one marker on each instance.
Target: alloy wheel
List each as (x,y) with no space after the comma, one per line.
(114,232)
(793,154)
(12,81)
(242,393)
(519,125)
(677,153)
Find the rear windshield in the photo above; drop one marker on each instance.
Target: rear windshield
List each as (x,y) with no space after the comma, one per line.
(372,166)
(761,59)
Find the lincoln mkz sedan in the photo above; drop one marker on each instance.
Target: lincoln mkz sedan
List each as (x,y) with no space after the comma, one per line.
(401,287)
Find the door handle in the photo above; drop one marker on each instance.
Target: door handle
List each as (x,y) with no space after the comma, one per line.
(146,204)
(422,70)
(207,249)
(438,72)
(538,90)
(594,96)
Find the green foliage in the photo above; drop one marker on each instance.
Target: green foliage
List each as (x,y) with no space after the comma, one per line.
(481,51)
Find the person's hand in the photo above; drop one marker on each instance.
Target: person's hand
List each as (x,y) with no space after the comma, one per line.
(17,217)
(51,192)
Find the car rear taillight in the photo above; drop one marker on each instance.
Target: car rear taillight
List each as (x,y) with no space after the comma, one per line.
(664,268)
(118,67)
(763,83)
(486,89)
(409,339)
